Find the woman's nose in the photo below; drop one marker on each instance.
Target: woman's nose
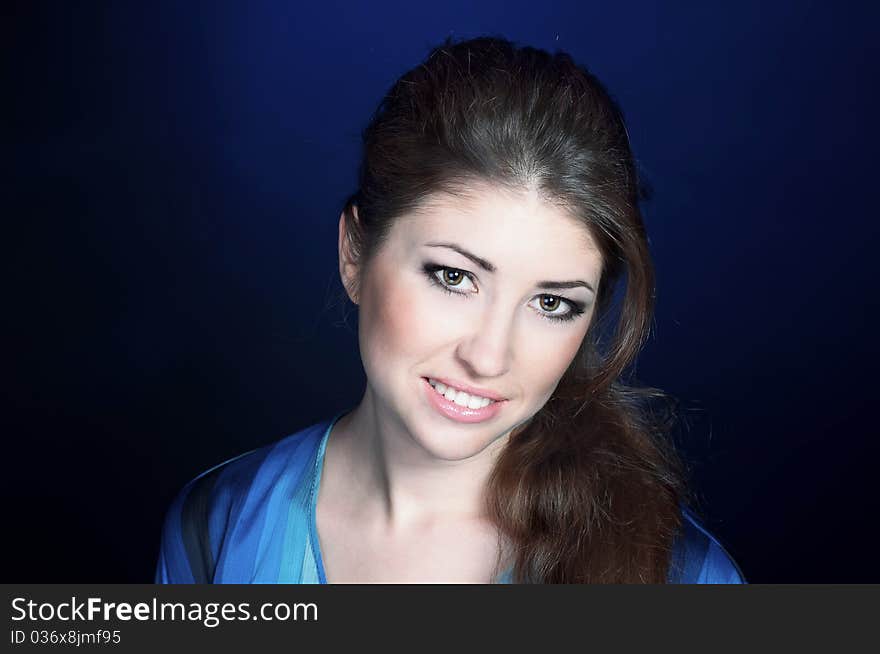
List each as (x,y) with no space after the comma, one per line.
(487,350)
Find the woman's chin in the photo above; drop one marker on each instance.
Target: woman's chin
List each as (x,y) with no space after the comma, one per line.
(454,443)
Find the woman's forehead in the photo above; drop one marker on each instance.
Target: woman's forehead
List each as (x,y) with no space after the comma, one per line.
(500,222)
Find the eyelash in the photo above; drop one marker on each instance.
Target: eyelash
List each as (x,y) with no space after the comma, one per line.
(431,269)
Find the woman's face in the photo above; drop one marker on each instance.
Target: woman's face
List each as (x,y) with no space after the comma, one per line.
(427,310)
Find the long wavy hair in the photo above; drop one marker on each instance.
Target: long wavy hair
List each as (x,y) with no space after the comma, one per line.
(588,490)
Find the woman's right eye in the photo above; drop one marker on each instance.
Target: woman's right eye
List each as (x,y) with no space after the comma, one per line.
(447,278)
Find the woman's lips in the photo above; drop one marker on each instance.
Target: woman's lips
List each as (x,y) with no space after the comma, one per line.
(470,390)
(457,412)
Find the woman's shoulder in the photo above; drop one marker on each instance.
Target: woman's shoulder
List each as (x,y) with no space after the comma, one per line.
(240,473)
(252,472)
(236,491)
(699,558)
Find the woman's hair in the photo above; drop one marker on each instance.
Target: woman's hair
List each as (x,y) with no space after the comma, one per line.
(586,491)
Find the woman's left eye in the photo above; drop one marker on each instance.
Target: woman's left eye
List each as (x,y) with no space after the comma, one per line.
(451,278)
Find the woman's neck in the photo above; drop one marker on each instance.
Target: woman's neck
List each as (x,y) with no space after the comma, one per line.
(390,476)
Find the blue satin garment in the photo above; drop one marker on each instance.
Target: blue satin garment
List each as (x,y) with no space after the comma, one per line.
(251,519)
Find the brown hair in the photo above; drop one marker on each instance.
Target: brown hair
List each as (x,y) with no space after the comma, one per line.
(585,491)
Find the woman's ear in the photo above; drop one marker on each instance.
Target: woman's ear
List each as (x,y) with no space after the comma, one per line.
(348,264)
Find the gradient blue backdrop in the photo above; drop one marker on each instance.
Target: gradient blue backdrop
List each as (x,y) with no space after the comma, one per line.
(172,183)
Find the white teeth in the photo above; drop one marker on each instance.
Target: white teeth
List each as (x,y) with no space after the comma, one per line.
(476,402)
(460,397)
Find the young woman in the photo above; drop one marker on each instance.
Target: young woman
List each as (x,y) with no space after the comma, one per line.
(497,213)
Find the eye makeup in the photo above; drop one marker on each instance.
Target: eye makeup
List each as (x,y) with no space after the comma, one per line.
(431,269)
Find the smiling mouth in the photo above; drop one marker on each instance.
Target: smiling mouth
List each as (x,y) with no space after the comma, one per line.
(462,398)
(462,408)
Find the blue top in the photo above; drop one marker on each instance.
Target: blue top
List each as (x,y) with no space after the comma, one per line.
(251,519)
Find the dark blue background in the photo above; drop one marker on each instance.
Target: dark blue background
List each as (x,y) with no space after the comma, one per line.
(173,175)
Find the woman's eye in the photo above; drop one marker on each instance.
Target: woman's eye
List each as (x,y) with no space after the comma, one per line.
(550,305)
(450,279)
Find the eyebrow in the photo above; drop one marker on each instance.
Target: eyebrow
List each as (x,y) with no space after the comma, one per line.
(486,265)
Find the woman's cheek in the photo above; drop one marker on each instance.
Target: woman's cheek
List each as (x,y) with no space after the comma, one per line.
(548,359)
(404,319)
(431,319)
